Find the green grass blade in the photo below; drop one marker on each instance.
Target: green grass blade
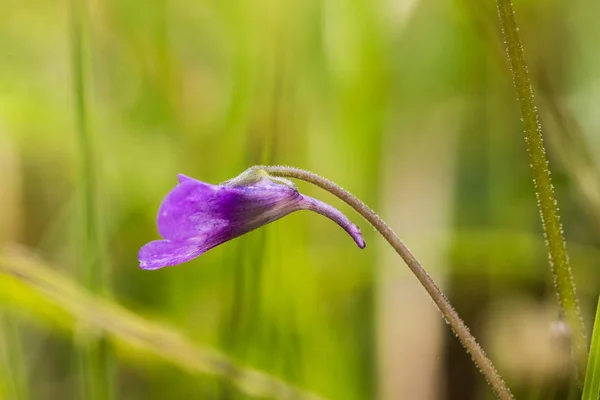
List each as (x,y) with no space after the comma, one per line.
(591,388)
(96,360)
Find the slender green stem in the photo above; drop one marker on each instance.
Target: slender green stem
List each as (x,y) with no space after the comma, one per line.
(90,235)
(450,315)
(96,361)
(591,388)
(547,203)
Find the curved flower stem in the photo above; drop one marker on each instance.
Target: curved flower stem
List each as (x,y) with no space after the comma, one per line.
(547,204)
(450,315)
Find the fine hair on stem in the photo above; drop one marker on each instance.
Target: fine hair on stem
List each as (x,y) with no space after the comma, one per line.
(450,315)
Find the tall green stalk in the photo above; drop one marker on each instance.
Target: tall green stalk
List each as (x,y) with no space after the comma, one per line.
(591,388)
(96,361)
(547,203)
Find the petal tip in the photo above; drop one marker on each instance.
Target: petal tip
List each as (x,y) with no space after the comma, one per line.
(148,267)
(184,178)
(361,243)
(357,236)
(146,259)
(165,253)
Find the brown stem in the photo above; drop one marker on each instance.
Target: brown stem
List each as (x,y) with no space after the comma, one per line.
(450,315)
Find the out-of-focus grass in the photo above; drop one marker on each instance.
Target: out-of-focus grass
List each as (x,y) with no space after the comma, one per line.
(96,364)
(209,88)
(31,286)
(14,382)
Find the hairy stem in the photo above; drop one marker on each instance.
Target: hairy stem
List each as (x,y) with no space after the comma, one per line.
(450,315)
(548,206)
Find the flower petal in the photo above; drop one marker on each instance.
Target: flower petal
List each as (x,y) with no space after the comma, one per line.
(192,209)
(164,253)
(335,215)
(196,216)
(213,214)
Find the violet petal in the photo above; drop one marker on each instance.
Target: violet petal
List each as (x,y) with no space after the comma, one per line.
(196,216)
(164,253)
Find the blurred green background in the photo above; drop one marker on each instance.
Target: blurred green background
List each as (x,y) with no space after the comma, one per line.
(406,103)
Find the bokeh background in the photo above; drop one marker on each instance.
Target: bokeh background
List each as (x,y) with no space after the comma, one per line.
(406,103)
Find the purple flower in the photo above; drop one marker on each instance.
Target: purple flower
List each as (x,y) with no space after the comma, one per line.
(197,216)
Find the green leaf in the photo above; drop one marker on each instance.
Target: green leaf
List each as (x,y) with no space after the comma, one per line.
(591,388)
